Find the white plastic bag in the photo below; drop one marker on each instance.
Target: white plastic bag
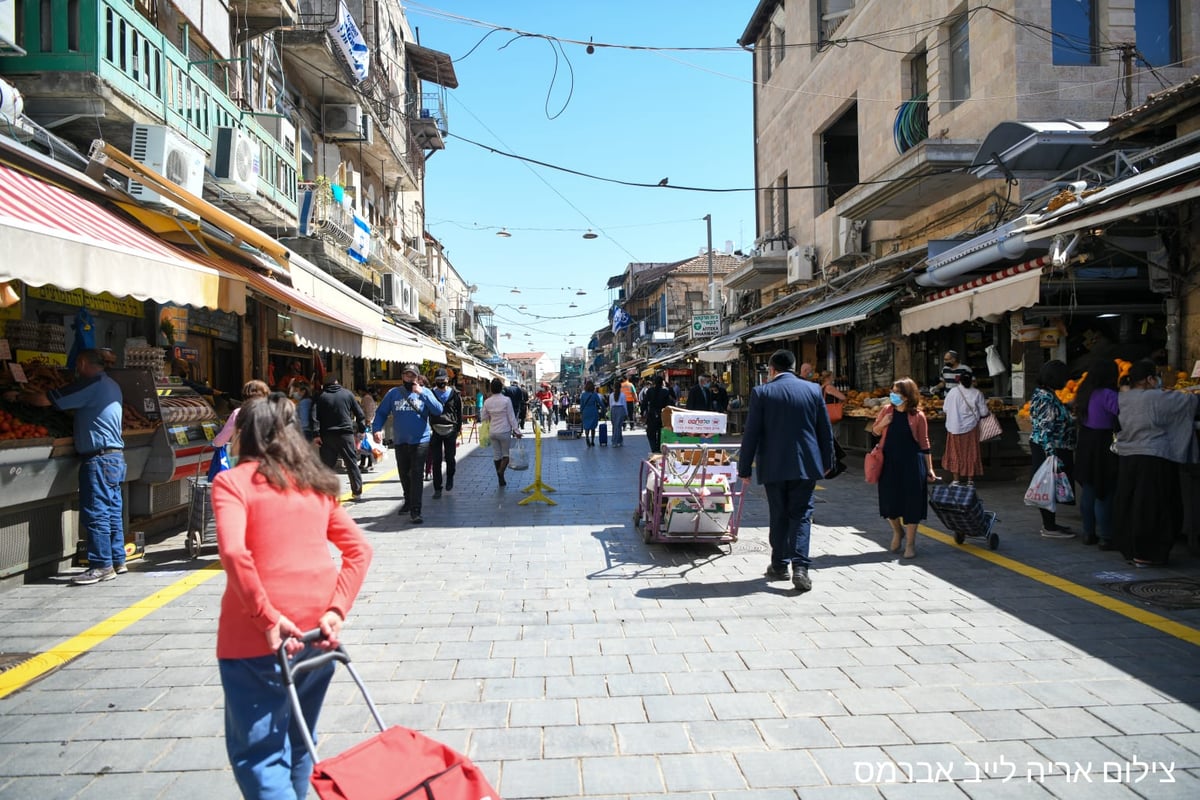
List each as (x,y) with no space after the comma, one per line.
(518,456)
(1041,491)
(995,364)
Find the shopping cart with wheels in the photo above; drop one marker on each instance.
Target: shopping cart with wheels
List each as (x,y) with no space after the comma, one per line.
(960,509)
(690,493)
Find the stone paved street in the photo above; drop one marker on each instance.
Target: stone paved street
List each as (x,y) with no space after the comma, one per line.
(570,659)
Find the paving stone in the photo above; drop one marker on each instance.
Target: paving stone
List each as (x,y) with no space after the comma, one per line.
(522,778)
(628,775)
(677,708)
(929,727)
(582,741)
(724,735)
(875,729)
(1001,725)
(653,738)
(999,697)
(808,704)
(609,710)
(696,772)
(1073,722)
(1131,719)
(779,769)
(637,685)
(706,683)
(798,733)
(474,715)
(757,705)
(505,744)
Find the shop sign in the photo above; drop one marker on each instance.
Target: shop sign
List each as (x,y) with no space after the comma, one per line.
(103,302)
(216,324)
(678,373)
(705,325)
(185,354)
(17,372)
(27,356)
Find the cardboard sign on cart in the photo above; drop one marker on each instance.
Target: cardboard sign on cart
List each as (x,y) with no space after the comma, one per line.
(697,423)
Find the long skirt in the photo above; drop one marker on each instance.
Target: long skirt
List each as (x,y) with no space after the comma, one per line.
(1149,508)
(962,453)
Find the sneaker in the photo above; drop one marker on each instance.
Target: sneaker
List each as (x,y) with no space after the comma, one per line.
(800,580)
(94,575)
(356,498)
(415,517)
(437,494)
(779,573)
(449,484)
(403,508)
(1059,533)
(120,569)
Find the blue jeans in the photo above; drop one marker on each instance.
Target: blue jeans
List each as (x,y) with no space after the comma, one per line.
(1097,513)
(618,421)
(100,508)
(265,749)
(790,521)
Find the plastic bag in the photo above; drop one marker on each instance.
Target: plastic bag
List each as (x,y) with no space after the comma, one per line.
(995,364)
(485,433)
(219,463)
(518,456)
(1064,493)
(1042,491)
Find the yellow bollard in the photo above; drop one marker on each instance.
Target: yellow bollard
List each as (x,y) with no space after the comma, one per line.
(537,487)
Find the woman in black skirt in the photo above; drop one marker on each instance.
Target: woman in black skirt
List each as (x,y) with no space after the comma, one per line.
(907,465)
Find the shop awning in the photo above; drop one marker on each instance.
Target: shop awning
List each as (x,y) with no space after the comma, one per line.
(1131,207)
(844,314)
(1010,294)
(385,342)
(313,332)
(51,236)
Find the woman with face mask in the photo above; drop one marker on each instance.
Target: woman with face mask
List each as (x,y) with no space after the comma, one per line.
(907,465)
(1157,434)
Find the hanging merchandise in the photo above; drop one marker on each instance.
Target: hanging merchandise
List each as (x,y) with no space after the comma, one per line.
(994,362)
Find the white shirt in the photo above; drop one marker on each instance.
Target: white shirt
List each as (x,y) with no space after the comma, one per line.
(963,409)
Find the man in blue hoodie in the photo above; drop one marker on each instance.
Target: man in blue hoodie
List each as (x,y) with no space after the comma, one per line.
(410,406)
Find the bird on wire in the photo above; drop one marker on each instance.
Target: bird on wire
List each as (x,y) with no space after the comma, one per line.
(663,182)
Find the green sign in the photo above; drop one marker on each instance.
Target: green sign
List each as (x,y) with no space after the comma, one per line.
(705,325)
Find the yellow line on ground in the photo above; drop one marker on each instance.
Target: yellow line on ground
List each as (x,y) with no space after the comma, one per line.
(1147,618)
(383,476)
(34,668)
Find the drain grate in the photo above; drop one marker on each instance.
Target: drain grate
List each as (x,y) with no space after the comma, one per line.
(10,660)
(1176,593)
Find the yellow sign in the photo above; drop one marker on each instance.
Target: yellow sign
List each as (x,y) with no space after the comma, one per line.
(27,356)
(125,306)
(210,430)
(181,435)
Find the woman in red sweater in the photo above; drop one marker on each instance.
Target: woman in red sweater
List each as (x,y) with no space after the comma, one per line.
(276,513)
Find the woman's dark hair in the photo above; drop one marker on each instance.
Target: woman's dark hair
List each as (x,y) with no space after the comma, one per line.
(589,385)
(497,386)
(1053,375)
(1100,375)
(268,434)
(966,379)
(907,388)
(1141,370)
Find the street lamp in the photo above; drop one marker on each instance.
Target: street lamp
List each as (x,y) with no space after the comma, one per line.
(712,285)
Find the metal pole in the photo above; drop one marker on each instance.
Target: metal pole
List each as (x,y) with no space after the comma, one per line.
(712,286)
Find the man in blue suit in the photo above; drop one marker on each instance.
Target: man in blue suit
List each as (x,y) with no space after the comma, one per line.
(789,434)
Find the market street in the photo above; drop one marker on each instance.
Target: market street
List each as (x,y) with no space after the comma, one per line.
(568,658)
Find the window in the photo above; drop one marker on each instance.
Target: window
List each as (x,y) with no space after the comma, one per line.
(766,61)
(1157,31)
(780,43)
(830,14)
(1074,37)
(960,61)
(839,150)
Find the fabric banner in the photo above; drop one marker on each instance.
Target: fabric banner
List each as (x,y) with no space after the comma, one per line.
(350,43)
(360,250)
(620,320)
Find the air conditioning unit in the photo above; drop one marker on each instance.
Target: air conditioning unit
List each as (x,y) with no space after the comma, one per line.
(341,121)
(281,128)
(391,290)
(171,155)
(235,161)
(446,328)
(412,305)
(847,236)
(800,264)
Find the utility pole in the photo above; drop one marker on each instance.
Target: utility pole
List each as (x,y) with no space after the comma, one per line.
(1127,50)
(712,286)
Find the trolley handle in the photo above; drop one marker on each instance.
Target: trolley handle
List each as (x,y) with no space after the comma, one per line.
(306,662)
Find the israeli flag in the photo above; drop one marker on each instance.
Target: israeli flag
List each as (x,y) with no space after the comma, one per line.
(360,250)
(620,320)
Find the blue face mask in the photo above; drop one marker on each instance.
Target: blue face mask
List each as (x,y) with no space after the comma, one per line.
(896,399)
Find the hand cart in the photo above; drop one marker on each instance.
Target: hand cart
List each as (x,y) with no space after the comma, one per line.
(691,493)
(202,525)
(574,429)
(395,764)
(960,509)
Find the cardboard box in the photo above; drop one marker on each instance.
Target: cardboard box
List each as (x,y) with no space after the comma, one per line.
(697,423)
(684,521)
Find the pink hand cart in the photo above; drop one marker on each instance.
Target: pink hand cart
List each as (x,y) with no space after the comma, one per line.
(690,493)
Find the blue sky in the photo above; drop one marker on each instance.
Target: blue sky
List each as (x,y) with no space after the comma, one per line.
(630,115)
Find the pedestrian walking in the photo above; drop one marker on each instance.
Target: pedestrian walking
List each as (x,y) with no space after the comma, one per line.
(907,465)
(410,406)
(337,417)
(1097,410)
(1157,435)
(590,406)
(519,399)
(789,441)
(964,407)
(444,430)
(276,514)
(502,421)
(658,399)
(699,396)
(618,410)
(97,401)
(251,389)
(1054,433)
(302,395)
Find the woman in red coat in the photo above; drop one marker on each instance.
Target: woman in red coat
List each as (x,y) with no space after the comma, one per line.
(277,512)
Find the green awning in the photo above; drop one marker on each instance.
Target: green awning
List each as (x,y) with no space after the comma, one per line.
(827,317)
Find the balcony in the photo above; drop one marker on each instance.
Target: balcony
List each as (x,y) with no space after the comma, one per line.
(766,267)
(326,233)
(929,172)
(256,17)
(427,122)
(98,66)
